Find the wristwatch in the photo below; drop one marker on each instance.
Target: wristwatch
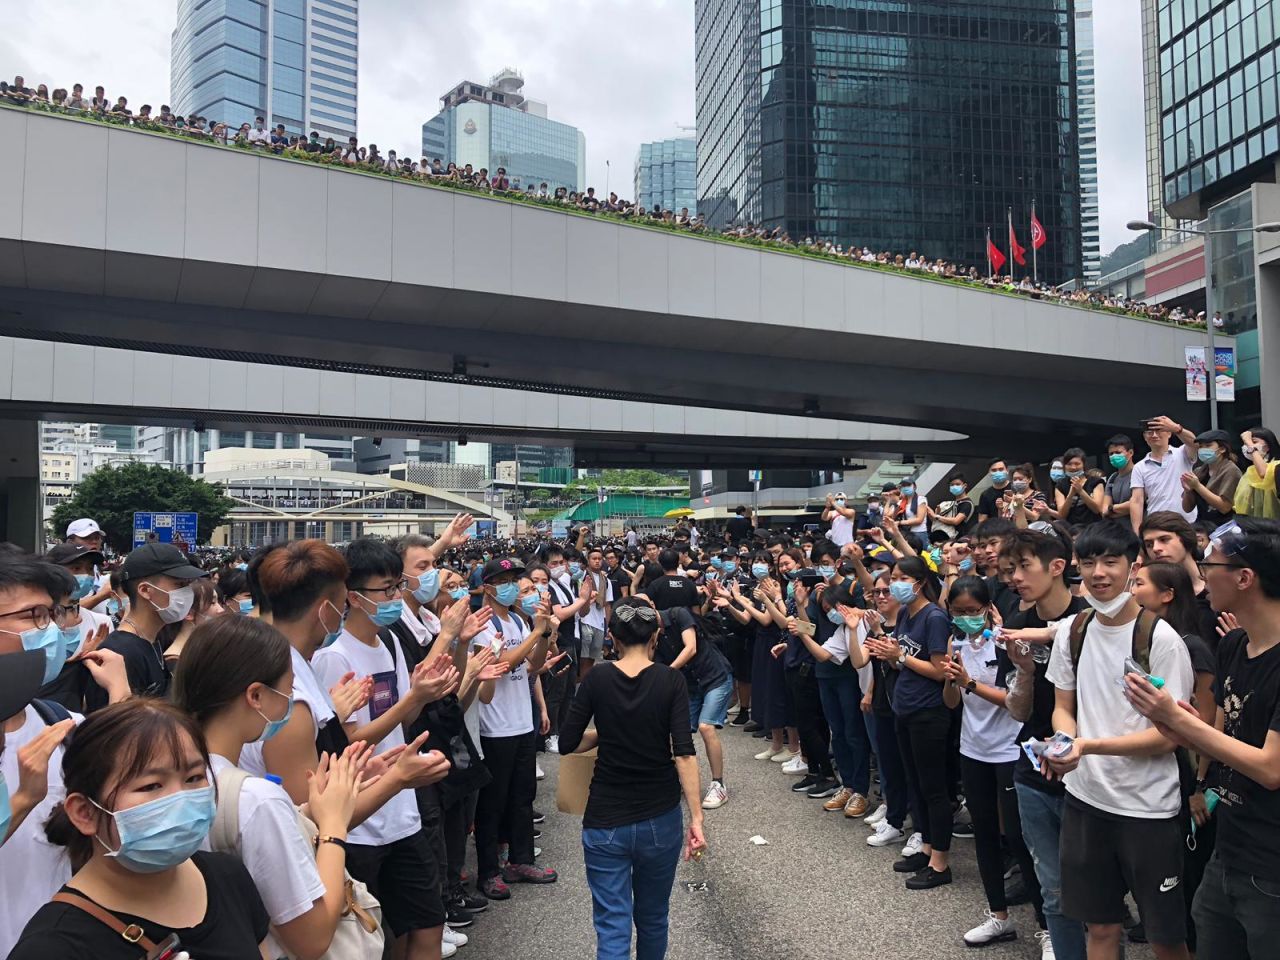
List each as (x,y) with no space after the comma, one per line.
(971,686)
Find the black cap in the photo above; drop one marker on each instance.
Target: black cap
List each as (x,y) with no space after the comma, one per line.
(21,676)
(153,558)
(500,565)
(1209,436)
(68,553)
(888,486)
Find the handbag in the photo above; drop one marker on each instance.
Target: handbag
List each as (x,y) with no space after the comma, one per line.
(359,935)
(131,933)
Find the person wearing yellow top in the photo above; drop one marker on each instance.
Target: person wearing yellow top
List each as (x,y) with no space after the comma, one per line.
(1256,494)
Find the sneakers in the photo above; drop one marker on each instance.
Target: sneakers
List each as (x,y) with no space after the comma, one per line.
(539,816)
(991,930)
(1046,945)
(526,873)
(911,864)
(856,806)
(447,950)
(458,916)
(716,796)
(785,756)
(744,715)
(454,937)
(541,775)
(751,727)
(885,835)
(459,898)
(805,784)
(915,843)
(494,888)
(927,879)
(877,818)
(797,766)
(825,787)
(768,753)
(553,743)
(842,797)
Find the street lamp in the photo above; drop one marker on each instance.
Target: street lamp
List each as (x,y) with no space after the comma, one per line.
(1212,366)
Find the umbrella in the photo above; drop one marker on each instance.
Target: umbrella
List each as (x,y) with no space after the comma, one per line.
(679,512)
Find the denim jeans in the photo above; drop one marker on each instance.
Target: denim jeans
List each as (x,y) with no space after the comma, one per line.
(1237,915)
(841,704)
(1041,815)
(630,870)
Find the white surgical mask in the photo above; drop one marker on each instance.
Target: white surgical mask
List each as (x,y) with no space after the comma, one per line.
(181,601)
(1109,608)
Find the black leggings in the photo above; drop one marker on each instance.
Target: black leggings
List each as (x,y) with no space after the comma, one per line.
(989,793)
(815,737)
(923,736)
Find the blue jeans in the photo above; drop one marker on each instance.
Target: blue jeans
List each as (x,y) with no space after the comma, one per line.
(841,704)
(710,706)
(1236,914)
(630,870)
(1041,815)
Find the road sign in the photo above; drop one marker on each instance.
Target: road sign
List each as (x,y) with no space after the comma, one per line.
(179,529)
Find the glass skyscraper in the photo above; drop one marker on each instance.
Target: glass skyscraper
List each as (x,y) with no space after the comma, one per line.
(666,175)
(288,61)
(1087,132)
(896,124)
(492,125)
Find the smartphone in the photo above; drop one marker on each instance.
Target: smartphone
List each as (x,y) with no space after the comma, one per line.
(166,949)
(808,629)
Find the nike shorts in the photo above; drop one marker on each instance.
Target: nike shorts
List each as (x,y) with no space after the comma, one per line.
(1104,855)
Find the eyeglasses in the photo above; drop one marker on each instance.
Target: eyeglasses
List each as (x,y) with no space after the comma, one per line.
(882,593)
(65,614)
(39,615)
(388,592)
(1201,564)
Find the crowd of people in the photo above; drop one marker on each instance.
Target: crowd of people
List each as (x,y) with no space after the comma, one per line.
(283,752)
(351,153)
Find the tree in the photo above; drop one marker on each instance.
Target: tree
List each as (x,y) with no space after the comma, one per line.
(540,495)
(111,495)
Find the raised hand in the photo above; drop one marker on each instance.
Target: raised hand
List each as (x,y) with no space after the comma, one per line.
(1227,622)
(33,764)
(475,623)
(91,643)
(433,679)
(421,769)
(456,533)
(108,671)
(331,793)
(350,694)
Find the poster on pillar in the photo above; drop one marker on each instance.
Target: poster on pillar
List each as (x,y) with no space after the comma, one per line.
(1224,368)
(1197,376)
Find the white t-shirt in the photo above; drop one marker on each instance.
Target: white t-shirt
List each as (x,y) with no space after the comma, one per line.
(838,646)
(922,502)
(398,817)
(1145,787)
(987,733)
(273,848)
(306,689)
(510,714)
(841,529)
(1162,481)
(31,868)
(593,615)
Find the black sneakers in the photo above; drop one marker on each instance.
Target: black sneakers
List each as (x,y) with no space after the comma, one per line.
(805,784)
(928,878)
(912,864)
(472,903)
(825,787)
(457,917)
(741,719)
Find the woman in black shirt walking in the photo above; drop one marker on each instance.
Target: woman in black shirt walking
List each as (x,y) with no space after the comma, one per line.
(631,830)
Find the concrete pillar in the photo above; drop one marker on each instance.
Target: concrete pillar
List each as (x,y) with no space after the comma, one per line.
(21,507)
(1266,209)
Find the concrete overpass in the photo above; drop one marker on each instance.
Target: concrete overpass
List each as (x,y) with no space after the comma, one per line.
(113,238)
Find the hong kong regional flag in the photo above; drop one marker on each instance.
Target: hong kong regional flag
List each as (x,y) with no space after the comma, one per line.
(1038,238)
(994,255)
(1017,251)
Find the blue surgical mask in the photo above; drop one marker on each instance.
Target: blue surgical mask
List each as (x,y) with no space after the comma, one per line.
(49,639)
(729,566)
(826,571)
(712,575)
(160,834)
(935,553)
(428,586)
(575,568)
(113,607)
(530,603)
(956,489)
(792,574)
(242,566)
(331,637)
(908,490)
(1074,474)
(388,611)
(275,726)
(999,476)
(507,593)
(791,589)
(6,809)
(965,565)
(70,641)
(1056,475)
(902,591)
(834,616)
(970,626)
(459,593)
(838,501)
(1118,460)
(246,606)
(84,586)
(1207,455)
(717,562)
(759,570)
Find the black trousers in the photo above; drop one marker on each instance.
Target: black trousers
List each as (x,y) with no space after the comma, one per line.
(924,736)
(558,692)
(815,736)
(458,818)
(989,793)
(505,806)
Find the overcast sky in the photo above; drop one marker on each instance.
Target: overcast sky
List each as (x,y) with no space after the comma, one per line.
(620,70)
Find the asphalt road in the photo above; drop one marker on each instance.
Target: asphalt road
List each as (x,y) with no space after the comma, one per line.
(815,891)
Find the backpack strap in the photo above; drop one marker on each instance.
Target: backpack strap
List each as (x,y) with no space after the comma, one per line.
(132,933)
(50,711)
(224,834)
(1079,626)
(1144,629)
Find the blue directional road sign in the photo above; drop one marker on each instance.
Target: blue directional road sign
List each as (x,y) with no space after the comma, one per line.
(176,528)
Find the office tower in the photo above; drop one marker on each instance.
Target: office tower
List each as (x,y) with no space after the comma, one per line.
(1087,133)
(899,126)
(1151,103)
(289,61)
(666,175)
(184,448)
(494,125)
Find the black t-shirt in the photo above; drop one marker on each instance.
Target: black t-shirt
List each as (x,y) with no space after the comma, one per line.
(1005,598)
(1248,691)
(987,503)
(708,667)
(70,687)
(1079,515)
(1040,723)
(620,580)
(144,663)
(672,590)
(1207,619)
(739,528)
(643,721)
(235,922)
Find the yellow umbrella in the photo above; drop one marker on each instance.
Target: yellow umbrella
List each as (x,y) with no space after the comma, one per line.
(679,512)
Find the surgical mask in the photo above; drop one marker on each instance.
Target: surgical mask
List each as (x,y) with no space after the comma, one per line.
(1207,455)
(1109,608)
(834,616)
(792,574)
(181,601)
(6,809)
(387,613)
(428,586)
(113,607)
(712,575)
(965,565)
(70,641)
(902,591)
(999,476)
(759,570)
(729,566)
(826,571)
(49,639)
(1056,475)
(242,566)
(160,834)
(839,501)
(507,593)
(530,603)
(274,726)
(935,554)
(331,636)
(575,568)
(1075,474)
(84,586)
(459,593)
(1118,460)
(1021,486)
(955,489)
(717,563)
(557,571)
(908,490)
(246,606)
(970,626)
(873,508)
(791,590)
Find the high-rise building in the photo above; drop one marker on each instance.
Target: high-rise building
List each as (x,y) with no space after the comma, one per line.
(1087,133)
(494,125)
(380,454)
(1151,102)
(289,61)
(666,175)
(530,457)
(184,448)
(893,125)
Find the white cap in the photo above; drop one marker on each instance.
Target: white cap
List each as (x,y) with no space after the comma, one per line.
(83,527)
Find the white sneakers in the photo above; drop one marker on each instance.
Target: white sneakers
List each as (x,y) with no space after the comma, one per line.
(768,753)
(540,773)
(785,756)
(884,835)
(992,930)
(880,813)
(447,950)
(716,796)
(796,766)
(915,844)
(454,937)
(1046,945)
(553,743)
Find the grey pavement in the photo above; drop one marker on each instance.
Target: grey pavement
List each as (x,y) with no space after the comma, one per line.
(816,890)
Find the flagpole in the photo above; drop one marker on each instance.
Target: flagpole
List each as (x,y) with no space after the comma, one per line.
(990,272)
(1012,259)
(1035,269)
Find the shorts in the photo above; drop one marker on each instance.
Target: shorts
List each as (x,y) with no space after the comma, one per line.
(591,642)
(402,875)
(710,706)
(1103,856)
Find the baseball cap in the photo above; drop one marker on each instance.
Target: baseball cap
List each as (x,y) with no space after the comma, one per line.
(888,486)
(154,558)
(83,527)
(67,553)
(1210,436)
(21,676)
(500,565)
